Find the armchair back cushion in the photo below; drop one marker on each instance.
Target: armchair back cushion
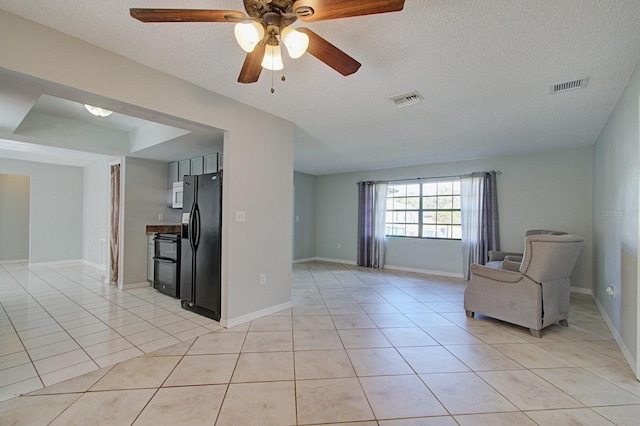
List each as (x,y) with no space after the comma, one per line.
(550,258)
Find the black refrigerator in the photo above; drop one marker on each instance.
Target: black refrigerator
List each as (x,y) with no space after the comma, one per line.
(200,272)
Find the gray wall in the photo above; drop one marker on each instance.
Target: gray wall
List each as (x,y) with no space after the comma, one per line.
(144,195)
(95,210)
(615,221)
(304,216)
(548,190)
(14,217)
(56,209)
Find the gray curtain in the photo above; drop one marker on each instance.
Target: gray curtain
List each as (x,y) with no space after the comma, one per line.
(372,199)
(479,214)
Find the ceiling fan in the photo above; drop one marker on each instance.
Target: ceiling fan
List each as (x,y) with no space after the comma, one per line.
(267,24)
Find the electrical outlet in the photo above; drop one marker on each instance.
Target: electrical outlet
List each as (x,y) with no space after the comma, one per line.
(241,216)
(160,217)
(339,246)
(263,279)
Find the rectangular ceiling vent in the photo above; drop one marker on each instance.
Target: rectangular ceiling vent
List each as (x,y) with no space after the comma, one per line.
(407,99)
(569,85)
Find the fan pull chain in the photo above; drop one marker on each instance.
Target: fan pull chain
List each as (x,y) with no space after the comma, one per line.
(283,78)
(272,89)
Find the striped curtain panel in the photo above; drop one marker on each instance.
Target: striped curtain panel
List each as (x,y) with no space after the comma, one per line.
(479,214)
(372,205)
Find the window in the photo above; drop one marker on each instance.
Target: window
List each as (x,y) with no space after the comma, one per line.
(424,210)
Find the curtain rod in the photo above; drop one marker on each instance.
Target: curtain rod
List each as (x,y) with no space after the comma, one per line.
(430,178)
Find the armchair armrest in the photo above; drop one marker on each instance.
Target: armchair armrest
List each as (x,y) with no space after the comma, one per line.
(513,258)
(502,275)
(510,265)
(500,255)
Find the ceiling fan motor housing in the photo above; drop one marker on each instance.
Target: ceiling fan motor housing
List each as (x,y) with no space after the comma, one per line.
(283,8)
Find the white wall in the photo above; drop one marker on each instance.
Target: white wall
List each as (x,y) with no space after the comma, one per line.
(14,217)
(95,211)
(258,157)
(548,190)
(615,219)
(56,209)
(304,224)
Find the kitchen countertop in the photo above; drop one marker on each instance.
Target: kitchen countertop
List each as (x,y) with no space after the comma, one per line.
(164,229)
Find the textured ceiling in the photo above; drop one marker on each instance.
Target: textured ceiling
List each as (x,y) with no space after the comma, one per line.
(484,68)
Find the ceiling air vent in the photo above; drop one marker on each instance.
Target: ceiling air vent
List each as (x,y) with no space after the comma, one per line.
(569,85)
(407,99)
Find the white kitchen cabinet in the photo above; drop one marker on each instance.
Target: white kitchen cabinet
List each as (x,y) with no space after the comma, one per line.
(150,253)
(197,165)
(184,168)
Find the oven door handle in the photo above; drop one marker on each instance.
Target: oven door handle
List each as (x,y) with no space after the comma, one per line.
(163,238)
(164,260)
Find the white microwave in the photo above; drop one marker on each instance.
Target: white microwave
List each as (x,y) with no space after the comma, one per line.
(176,195)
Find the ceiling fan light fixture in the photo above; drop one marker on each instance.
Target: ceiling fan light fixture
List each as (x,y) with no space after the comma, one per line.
(295,41)
(248,35)
(97,111)
(272,58)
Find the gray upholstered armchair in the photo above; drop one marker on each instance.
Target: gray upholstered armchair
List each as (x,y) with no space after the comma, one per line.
(537,295)
(511,260)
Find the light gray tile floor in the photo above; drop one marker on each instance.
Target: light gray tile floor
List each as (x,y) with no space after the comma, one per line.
(59,321)
(358,347)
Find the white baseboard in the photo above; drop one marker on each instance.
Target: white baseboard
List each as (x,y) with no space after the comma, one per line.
(131,286)
(12,261)
(424,271)
(344,262)
(56,262)
(625,351)
(390,267)
(228,323)
(581,290)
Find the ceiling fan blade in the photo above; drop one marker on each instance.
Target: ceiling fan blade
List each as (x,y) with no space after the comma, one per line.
(324,10)
(329,54)
(252,66)
(183,15)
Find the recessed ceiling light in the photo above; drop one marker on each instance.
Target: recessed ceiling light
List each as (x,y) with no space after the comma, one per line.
(97,111)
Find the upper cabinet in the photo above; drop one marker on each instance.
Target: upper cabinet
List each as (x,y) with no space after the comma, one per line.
(176,170)
(211,163)
(184,168)
(197,166)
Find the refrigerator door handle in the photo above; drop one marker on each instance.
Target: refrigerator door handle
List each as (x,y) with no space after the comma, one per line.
(196,236)
(192,225)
